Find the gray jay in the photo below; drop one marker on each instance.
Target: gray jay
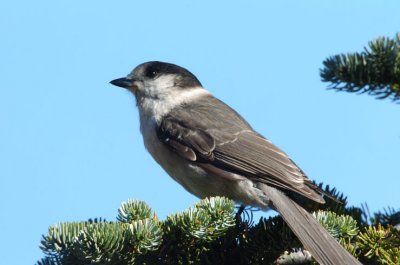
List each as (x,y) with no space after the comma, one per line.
(210,150)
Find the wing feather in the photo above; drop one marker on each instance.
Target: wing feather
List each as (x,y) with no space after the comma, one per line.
(226,142)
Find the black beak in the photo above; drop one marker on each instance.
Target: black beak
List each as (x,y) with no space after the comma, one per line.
(123,82)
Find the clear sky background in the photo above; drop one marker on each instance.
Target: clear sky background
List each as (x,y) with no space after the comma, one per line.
(70,147)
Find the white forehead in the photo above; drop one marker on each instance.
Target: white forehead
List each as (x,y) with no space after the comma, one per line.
(138,71)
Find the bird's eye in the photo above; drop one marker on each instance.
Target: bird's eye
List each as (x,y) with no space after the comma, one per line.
(151,73)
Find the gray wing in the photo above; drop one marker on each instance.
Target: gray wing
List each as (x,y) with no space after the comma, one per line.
(216,137)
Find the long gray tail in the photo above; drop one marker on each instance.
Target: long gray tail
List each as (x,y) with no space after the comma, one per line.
(324,248)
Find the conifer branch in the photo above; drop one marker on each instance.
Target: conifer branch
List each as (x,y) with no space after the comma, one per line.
(211,232)
(375,71)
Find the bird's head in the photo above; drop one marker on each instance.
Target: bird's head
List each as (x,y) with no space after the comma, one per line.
(155,79)
(159,87)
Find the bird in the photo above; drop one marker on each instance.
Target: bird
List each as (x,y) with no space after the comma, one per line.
(211,150)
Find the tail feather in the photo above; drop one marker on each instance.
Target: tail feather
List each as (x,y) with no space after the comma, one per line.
(324,248)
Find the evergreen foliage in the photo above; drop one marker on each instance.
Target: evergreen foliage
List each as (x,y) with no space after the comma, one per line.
(214,232)
(375,71)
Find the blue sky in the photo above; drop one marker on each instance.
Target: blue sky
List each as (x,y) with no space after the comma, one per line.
(70,147)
